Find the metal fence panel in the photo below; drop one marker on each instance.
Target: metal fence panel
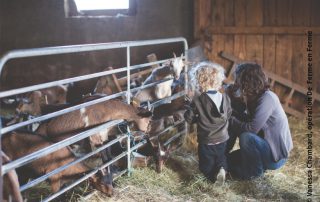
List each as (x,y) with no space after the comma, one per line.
(54,147)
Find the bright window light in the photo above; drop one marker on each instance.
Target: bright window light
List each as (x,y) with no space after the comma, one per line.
(83,5)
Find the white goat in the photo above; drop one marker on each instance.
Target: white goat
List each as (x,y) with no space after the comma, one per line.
(162,90)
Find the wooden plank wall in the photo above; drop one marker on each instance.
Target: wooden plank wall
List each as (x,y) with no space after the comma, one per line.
(270,32)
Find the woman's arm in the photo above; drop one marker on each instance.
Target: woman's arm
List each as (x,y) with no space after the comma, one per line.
(263,111)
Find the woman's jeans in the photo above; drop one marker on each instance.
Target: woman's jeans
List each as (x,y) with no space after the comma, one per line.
(253,157)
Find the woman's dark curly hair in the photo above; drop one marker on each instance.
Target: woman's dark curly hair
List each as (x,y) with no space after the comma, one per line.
(252,80)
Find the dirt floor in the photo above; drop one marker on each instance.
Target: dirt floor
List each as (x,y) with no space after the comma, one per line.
(181,180)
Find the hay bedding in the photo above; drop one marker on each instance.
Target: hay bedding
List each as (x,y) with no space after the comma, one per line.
(181,180)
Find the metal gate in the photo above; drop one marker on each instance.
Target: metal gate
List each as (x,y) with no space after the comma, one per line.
(56,146)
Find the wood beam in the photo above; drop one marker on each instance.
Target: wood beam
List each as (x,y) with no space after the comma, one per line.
(269,30)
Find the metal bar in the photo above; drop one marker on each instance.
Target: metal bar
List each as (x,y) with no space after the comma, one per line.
(128,101)
(46,176)
(59,145)
(56,146)
(73,79)
(120,174)
(57,113)
(59,82)
(76,107)
(165,130)
(173,138)
(123,154)
(186,79)
(85,177)
(128,76)
(95,171)
(74,49)
(165,100)
(81,48)
(134,67)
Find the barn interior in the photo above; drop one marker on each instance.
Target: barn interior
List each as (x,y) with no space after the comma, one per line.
(275,34)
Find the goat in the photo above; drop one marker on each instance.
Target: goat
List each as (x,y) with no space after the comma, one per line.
(17,145)
(102,86)
(162,90)
(33,104)
(155,149)
(35,100)
(105,84)
(94,115)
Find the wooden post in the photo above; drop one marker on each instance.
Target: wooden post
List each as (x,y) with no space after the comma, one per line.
(115,80)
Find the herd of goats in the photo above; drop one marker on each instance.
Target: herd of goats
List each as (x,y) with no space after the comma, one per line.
(29,139)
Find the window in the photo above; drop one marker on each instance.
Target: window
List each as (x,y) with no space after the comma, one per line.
(85,5)
(99,8)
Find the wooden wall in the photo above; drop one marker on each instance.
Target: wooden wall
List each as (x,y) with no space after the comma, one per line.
(270,32)
(39,23)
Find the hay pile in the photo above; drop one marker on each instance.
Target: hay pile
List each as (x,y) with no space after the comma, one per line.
(181,180)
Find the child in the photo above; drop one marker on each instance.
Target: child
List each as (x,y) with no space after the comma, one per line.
(211,111)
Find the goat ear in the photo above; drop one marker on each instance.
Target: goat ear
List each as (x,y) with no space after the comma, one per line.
(135,102)
(167,148)
(150,107)
(189,63)
(159,146)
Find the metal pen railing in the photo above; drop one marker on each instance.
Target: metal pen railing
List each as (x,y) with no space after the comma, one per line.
(54,147)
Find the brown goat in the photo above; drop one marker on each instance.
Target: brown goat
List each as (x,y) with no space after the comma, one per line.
(169,109)
(105,85)
(94,115)
(17,145)
(35,100)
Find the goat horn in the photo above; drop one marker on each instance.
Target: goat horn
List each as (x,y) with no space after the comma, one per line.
(149,106)
(188,63)
(174,55)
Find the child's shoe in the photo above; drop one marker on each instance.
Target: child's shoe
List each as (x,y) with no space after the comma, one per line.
(221,177)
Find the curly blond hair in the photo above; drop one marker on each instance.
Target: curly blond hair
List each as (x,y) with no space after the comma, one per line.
(209,76)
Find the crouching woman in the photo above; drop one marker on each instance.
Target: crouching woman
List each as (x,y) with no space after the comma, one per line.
(264,135)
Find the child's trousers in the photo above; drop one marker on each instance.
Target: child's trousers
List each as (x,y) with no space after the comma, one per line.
(211,159)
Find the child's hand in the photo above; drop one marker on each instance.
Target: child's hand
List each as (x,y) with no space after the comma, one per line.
(187,99)
(190,93)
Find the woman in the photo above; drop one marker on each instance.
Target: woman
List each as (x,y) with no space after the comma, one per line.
(263,129)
